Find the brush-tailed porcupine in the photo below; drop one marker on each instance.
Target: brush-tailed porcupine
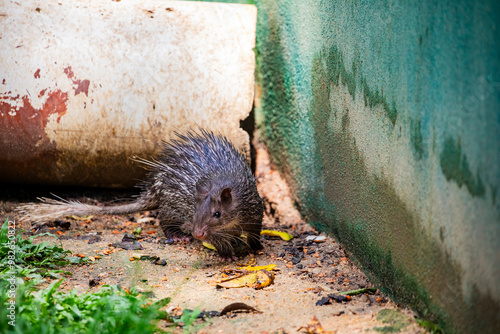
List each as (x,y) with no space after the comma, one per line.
(200,184)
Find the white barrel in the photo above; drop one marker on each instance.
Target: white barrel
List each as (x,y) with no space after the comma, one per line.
(85,85)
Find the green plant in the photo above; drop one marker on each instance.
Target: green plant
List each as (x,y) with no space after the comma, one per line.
(24,258)
(188,319)
(109,310)
(430,326)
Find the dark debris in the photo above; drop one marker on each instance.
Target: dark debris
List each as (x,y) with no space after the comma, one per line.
(129,242)
(332,298)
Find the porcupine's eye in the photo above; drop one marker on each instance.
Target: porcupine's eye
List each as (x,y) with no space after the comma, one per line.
(217,214)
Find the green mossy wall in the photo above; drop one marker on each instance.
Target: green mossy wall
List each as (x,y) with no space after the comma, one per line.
(384,116)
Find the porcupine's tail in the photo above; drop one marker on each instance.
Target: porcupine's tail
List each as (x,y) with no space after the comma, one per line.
(57,208)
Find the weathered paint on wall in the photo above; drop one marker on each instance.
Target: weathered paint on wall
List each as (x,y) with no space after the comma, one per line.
(385,118)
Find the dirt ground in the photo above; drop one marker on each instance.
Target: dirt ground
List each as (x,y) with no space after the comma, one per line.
(307,271)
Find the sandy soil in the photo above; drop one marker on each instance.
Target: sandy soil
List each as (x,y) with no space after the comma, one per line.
(307,271)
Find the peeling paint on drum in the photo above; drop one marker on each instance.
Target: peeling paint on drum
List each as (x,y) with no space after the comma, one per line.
(85,86)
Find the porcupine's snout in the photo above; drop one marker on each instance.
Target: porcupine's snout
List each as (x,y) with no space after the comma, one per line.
(200,232)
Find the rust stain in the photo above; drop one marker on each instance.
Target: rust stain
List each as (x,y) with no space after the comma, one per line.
(26,152)
(69,72)
(56,103)
(22,126)
(82,86)
(37,74)
(3,82)
(42,92)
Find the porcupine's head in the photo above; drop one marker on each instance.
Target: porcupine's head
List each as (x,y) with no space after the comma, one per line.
(228,212)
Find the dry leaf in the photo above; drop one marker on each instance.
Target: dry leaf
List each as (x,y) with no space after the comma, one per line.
(257,279)
(264,278)
(283,235)
(209,246)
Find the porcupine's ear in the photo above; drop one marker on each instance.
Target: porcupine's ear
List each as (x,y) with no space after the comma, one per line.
(225,197)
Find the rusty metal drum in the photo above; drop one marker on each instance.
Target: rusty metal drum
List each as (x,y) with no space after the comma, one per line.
(84,85)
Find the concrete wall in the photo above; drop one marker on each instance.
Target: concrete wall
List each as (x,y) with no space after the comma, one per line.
(385,119)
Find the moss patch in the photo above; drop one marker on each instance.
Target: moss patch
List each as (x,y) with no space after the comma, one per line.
(276,91)
(395,320)
(375,97)
(494,190)
(336,71)
(455,167)
(282,123)
(416,138)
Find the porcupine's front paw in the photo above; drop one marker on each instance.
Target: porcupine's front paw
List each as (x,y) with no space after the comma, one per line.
(175,232)
(177,238)
(183,239)
(232,258)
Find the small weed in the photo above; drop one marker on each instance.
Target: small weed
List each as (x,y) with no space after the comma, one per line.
(109,310)
(28,259)
(395,321)
(430,326)
(188,320)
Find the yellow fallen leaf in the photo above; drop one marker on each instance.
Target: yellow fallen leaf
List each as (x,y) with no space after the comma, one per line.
(257,268)
(283,235)
(136,256)
(209,246)
(264,278)
(257,279)
(239,282)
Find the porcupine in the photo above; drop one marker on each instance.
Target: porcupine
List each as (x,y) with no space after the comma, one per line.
(200,184)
